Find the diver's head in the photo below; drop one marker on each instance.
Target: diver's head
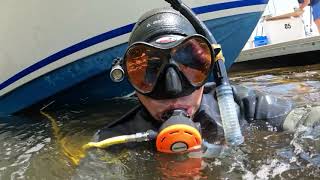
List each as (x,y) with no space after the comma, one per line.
(167,62)
(160,22)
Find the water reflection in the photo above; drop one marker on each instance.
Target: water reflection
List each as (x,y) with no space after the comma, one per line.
(298,83)
(49,145)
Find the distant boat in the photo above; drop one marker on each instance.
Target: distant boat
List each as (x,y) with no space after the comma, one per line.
(64,51)
(285,38)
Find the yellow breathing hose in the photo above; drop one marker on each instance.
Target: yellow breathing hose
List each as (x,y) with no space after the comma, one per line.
(138,137)
(107,142)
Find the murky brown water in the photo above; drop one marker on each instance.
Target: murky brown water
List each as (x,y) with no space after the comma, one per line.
(47,146)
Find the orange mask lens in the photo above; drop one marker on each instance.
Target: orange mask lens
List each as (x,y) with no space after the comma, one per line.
(194,59)
(143,65)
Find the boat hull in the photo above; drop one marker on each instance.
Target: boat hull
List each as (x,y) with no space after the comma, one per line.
(87,79)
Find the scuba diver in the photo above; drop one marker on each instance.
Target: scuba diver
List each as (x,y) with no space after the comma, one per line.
(169,63)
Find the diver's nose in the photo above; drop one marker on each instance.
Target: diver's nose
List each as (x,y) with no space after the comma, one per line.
(173,82)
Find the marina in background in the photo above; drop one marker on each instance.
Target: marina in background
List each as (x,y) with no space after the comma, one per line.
(283,31)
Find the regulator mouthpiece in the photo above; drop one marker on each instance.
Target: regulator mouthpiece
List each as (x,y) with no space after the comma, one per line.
(179,134)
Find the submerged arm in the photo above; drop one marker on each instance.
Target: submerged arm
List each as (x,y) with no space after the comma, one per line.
(255,105)
(278,112)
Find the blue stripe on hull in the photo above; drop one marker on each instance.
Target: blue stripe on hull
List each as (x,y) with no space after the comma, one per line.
(231,32)
(228,5)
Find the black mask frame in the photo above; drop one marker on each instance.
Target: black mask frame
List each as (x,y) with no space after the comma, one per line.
(170,82)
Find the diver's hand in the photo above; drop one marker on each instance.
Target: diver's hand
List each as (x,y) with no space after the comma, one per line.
(255,105)
(306,116)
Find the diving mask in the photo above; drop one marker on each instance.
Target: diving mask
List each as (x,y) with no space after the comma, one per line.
(169,69)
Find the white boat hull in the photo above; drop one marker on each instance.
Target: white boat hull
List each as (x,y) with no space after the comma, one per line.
(58,45)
